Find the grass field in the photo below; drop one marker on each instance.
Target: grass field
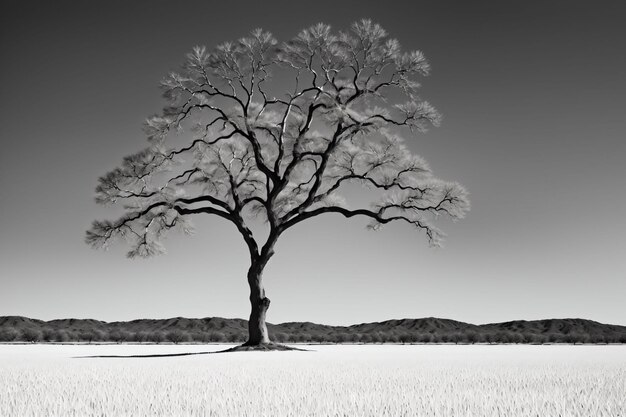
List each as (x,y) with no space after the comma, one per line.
(388,380)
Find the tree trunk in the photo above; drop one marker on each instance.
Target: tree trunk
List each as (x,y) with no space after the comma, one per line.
(257,329)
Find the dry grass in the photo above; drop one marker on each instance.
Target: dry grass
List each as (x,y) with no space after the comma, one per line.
(375,381)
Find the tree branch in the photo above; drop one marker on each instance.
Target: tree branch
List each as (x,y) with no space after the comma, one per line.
(434,235)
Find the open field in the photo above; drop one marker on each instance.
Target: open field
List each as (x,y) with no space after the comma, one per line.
(389,380)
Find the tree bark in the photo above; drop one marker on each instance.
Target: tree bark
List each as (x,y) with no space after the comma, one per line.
(257,329)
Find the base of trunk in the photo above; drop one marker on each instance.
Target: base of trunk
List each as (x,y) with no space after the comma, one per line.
(261,347)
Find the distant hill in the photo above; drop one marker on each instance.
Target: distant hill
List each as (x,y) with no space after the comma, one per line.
(425,325)
(217,329)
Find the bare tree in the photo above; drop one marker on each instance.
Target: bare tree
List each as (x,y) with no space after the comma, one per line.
(235,143)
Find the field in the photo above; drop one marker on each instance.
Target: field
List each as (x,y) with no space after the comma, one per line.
(388,380)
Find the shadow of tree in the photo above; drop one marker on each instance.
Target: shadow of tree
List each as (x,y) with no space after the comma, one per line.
(268,347)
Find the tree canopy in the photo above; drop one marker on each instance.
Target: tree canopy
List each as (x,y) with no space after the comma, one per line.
(276,130)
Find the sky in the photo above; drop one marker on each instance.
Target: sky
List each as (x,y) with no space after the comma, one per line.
(532,95)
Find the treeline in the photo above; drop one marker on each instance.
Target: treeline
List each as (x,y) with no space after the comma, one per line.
(117,336)
(178,336)
(223,330)
(470,337)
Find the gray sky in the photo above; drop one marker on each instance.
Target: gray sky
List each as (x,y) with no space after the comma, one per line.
(532,95)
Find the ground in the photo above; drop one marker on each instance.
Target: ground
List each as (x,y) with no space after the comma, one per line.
(355,380)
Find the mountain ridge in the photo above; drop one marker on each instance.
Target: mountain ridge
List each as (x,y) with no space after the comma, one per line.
(406,330)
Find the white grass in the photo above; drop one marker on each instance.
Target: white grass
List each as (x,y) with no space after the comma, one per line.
(44,380)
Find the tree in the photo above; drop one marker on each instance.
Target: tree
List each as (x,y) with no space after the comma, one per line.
(61,336)
(340,337)
(250,147)
(472,337)
(100,335)
(504,336)
(31,335)
(280,337)
(426,338)
(8,335)
(177,336)
(217,337)
(304,337)
(201,337)
(86,335)
(157,337)
(48,334)
(405,338)
(234,337)
(516,337)
(141,336)
(377,337)
(119,336)
(391,337)
(353,337)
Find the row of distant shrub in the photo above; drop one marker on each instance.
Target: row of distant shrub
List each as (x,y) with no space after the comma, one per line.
(181,336)
(469,337)
(116,336)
